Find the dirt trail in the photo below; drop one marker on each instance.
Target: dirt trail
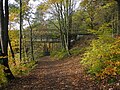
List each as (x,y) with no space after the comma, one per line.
(54,75)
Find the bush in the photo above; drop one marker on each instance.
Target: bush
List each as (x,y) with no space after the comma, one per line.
(2,76)
(21,68)
(102,58)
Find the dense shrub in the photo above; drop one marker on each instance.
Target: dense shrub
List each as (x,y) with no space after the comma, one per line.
(102,58)
(21,68)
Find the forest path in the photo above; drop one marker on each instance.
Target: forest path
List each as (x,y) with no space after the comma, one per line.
(54,75)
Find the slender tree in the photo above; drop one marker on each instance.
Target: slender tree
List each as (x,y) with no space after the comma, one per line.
(64,12)
(12,52)
(21,22)
(118,3)
(31,40)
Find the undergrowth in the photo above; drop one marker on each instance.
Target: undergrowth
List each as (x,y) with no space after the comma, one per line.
(78,48)
(17,67)
(62,54)
(102,58)
(59,54)
(2,76)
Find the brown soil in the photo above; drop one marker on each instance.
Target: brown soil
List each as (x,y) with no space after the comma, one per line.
(54,75)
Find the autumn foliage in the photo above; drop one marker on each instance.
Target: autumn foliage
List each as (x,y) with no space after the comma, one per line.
(102,58)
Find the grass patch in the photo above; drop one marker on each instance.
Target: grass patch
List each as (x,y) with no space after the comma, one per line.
(59,55)
(77,50)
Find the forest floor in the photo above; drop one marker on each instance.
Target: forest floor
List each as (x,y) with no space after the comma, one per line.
(66,74)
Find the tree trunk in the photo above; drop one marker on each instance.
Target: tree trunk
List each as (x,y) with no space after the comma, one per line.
(12,52)
(118,3)
(118,17)
(64,10)
(21,22)
(60,19)
(4,18)
(31,40)
(70,24)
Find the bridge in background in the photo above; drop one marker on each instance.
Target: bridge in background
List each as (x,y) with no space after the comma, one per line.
(50,37)
(53,35)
